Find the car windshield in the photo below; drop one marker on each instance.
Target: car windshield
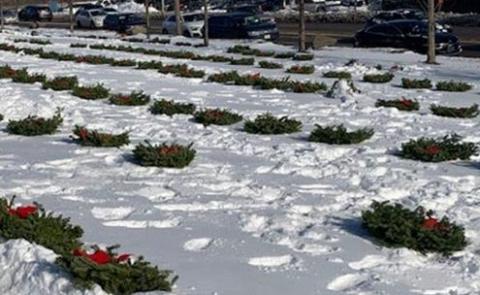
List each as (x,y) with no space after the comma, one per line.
(193,18)
(97,12)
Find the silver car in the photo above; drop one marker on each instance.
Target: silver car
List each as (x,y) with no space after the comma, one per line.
(90,18)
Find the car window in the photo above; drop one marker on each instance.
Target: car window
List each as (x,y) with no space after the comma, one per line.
(193,18)
(96,12)
(172,18)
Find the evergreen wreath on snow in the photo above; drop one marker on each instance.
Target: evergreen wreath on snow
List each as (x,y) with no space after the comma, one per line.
(453,86)
(61,83)
(243,61)
(23,76)
(402,104)
(135,98)
(301,69)
(338,134)
(416,84)
(268,124)
(34,224)
(303,56)
(170,108)
(269,65)
(6,72)
(115,273)
(33,125)
(164,155)
(86,137)
(217,117)
(447,148)
(378,78)
(97,91)
(396,226)
(338,75)
(443,111)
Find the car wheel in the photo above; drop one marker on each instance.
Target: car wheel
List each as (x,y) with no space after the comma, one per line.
(356,43)
(92,26)
(79,25)
(165,32)
(187,34)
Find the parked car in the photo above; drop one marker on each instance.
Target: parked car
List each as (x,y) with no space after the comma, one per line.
(122,22)
(9,16)
(76,7)
(192,25)
(90,18)
(410,34)
(321,5)
(35,13)
(403,14)
(248,8)
(353,3)
(240,25)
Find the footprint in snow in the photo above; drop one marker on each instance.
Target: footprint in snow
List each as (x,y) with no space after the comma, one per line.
(197,245)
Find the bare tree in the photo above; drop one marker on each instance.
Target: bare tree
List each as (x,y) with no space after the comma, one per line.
(205,23)
(70,13)
(147,18)
(431,6)
(301,28)
(178,17)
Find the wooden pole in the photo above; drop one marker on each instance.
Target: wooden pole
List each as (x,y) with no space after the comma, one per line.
(301,28)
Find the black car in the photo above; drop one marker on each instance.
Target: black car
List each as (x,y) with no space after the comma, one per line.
(399,14)
(407,34)
(34,13)
(122,22)
(242,25)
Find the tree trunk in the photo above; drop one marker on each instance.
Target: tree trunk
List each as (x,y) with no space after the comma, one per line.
(162,8)
(205,23)
(147,18)
(301,28)
(431,59)
(70,13)
(177,17)
(1,16)
(354,11)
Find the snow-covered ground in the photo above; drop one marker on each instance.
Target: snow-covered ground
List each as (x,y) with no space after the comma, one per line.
(252,214)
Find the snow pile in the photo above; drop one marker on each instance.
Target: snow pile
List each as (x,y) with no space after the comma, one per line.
(343,90)
(27,269)
(131,7)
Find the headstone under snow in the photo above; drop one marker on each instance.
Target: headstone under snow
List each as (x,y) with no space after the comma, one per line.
(344,90)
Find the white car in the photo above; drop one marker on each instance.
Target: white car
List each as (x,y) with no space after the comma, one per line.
(321,5)
(192,25)
(92,18)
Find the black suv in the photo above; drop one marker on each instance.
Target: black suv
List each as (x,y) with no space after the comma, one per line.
(33,13)
(409,34)
(122,22)
(242,25)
